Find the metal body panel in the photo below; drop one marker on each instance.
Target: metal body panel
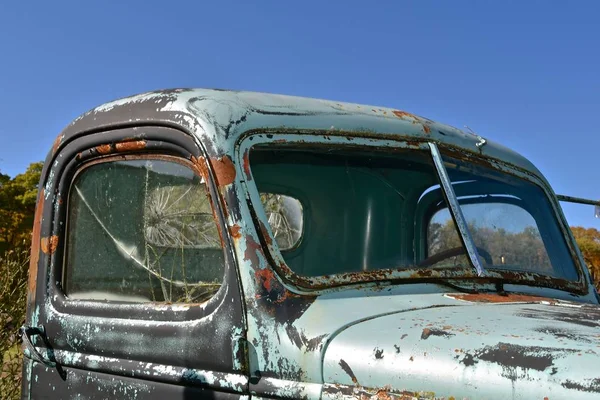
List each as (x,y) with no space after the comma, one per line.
(90,385)
(288,340)
(492,351)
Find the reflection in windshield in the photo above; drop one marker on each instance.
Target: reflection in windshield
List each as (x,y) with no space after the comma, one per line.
(511,221)
(507,232)
(356,206)
(372,211)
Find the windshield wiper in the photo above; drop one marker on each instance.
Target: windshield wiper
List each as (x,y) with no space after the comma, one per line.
(455,210)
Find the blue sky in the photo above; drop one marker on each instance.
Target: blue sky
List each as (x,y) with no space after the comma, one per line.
(523,73)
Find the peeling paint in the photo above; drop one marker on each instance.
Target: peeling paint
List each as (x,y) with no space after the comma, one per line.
(104,149)
(134,145)
(235,232)
(427,332)
(49,244)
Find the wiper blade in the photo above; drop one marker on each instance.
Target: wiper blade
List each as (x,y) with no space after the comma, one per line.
(455,209)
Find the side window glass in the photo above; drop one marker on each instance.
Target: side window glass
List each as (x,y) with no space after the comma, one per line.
(285,217)
(141,231)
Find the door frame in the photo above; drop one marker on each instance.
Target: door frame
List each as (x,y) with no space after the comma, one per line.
(191,345)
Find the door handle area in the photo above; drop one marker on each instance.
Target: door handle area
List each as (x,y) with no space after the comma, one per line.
(26,332)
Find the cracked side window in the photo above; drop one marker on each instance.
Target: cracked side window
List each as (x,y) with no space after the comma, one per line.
(141,230)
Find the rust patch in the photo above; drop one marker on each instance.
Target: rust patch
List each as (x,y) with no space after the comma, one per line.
(57,143)
(416,120)
(497,298)
(265,233)
(224,170)
(247,166)
(386,394)
(199,166)
(235,232)
(49,244)
(265,277)
(104,149)
(130,146)
(216,218)
(252,250)
(405,114)
(278,302)
(35,246)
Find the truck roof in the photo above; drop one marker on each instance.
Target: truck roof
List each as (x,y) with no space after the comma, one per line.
(219,117)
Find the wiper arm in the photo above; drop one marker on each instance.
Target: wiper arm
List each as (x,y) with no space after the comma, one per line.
(455,210)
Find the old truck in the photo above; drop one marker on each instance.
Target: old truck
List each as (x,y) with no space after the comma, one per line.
(215,244)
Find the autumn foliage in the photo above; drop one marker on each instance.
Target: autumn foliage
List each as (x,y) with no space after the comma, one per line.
(588,240)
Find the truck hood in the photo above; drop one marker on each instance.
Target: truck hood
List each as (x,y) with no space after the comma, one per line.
(536,350)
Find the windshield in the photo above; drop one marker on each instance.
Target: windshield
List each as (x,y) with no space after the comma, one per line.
(360,210)
(510,220)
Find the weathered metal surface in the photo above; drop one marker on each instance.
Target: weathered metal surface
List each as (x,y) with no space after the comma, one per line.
(516,351)
(275,336)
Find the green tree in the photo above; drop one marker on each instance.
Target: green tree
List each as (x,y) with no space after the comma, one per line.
(17,206)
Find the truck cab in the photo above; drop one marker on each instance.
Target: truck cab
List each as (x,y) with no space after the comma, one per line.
(195,243)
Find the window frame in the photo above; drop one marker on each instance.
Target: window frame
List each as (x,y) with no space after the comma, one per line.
(283,137)
(157,143)
(130,157)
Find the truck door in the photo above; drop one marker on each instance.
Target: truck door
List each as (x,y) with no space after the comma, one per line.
(136,293)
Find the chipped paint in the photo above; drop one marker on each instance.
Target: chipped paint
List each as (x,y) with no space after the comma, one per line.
(57,143)
(121,147)
(49,244)
(104,149)
(134,145)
